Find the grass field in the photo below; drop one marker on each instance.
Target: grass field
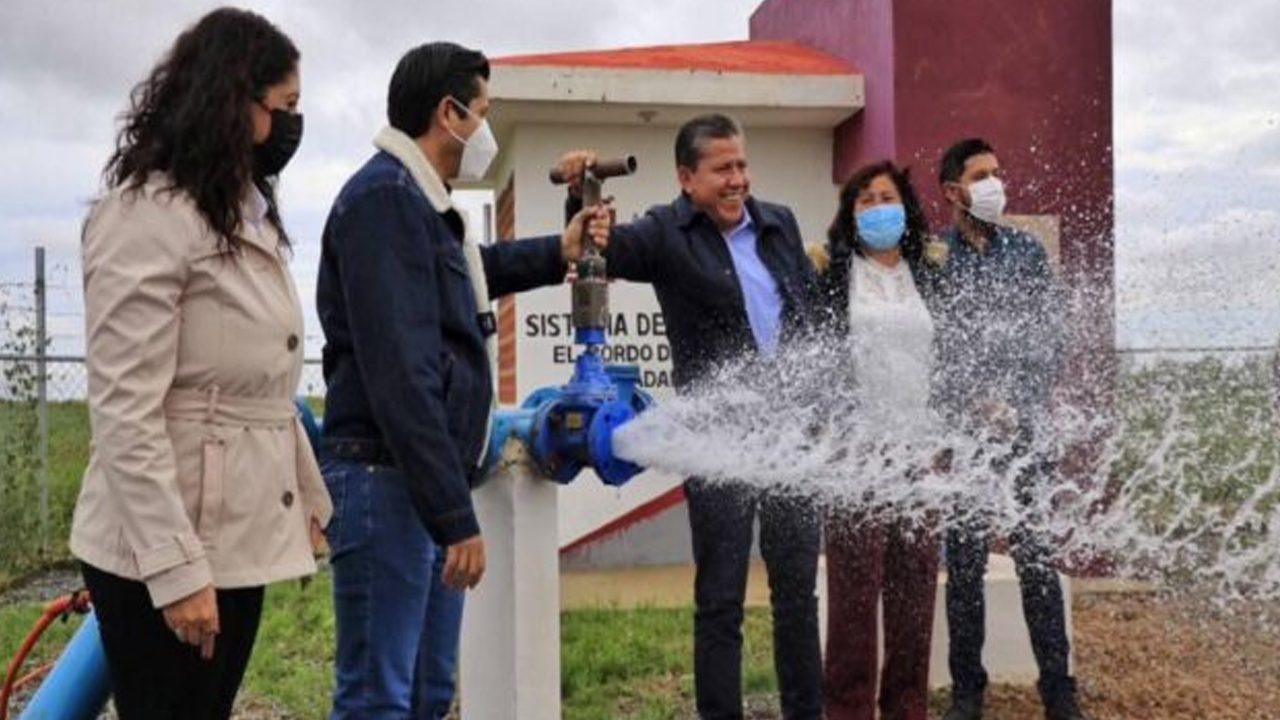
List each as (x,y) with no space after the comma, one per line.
(19,512)
(626,664)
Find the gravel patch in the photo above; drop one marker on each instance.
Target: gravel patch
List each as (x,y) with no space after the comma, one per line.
(43,586)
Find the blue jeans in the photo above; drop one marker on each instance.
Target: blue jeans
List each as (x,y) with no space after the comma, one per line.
(397,623)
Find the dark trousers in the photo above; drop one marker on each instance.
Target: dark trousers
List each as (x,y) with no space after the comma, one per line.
(154,676)
(1042,601)
(868,561)
(721,516)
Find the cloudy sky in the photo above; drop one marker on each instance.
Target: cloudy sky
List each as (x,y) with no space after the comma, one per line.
(1197,111)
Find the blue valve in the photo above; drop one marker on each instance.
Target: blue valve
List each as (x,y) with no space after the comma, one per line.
(571,427)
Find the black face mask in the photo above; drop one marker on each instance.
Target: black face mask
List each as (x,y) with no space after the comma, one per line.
(282,142)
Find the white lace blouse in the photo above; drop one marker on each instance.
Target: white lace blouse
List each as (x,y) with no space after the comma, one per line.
(891,335)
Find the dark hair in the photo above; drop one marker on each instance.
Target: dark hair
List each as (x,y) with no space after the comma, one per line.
(428,74)
(190,117)
(957,155)
(844,229)
(695,133)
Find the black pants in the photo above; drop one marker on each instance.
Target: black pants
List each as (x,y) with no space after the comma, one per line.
(1042,602)
(154,676)
(721,516)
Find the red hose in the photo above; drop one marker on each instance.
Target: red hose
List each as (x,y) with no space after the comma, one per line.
(76,602)
(32,676)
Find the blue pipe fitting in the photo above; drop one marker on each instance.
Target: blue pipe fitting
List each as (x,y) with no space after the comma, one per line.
(626,378)
(569,428)
(309,423)
(589,336)
(79,684)
(611,469)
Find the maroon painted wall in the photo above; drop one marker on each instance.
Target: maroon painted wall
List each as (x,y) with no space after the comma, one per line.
(1033,77)
(857,32)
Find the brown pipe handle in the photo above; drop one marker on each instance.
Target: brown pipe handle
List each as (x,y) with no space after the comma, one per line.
(601,168)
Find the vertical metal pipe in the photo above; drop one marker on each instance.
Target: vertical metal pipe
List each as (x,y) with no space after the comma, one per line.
(42,399)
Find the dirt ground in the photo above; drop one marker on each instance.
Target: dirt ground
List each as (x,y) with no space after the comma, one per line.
(1152,657)
(1143,656)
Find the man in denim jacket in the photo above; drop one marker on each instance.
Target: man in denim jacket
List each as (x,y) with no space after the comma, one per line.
(404,299)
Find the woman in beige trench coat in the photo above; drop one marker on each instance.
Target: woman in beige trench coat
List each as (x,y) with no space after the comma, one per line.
(201,487)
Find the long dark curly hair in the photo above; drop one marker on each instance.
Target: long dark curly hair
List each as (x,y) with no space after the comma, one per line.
(190,117)
(843,233)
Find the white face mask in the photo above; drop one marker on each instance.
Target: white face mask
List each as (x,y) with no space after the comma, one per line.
(478,151)
(986,199)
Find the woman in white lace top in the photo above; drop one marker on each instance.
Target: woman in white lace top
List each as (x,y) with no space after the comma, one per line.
(873,282)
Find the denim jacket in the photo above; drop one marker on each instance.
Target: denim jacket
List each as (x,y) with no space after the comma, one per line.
(1001,334)
(405,361)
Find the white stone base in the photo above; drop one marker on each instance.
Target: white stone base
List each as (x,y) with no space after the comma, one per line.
(510,654)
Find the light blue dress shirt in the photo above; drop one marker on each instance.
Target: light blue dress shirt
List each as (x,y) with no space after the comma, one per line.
(759,290)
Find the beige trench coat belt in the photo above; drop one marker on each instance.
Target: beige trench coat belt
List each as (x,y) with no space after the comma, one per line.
(211,407)
(214,408)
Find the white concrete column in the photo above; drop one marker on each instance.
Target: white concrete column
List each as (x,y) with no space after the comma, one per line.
(510,655)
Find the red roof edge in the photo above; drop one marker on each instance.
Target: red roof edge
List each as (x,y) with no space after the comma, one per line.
(765,57)
(645,510)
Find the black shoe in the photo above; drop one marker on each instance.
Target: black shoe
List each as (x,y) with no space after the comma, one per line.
(964,708)
(1064,708)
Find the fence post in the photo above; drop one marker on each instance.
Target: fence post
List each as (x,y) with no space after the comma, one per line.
(42,400)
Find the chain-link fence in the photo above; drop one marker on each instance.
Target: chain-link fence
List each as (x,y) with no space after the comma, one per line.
(1131,359)
(66,379)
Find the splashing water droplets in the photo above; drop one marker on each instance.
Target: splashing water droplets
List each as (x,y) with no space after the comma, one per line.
(1183,489)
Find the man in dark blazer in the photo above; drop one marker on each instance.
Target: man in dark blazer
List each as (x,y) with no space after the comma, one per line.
(734,284)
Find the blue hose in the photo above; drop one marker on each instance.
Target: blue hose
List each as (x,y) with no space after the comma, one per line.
(78,686)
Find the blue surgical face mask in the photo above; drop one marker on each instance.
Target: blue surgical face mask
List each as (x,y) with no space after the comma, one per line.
(881,227)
